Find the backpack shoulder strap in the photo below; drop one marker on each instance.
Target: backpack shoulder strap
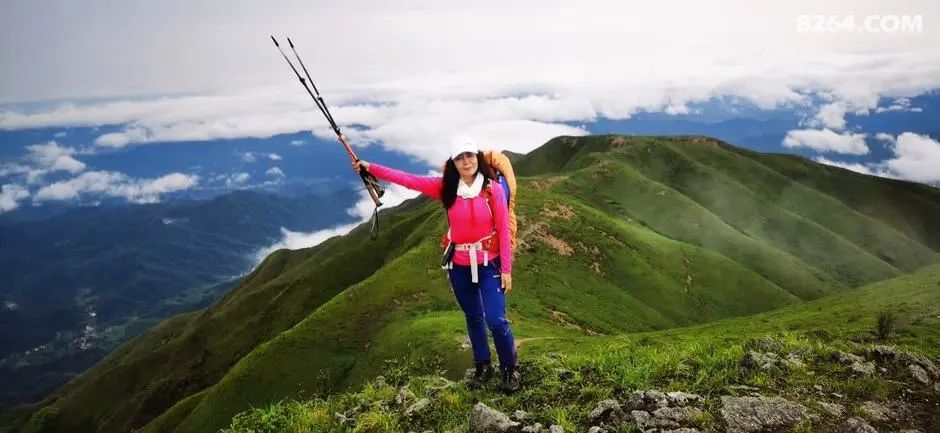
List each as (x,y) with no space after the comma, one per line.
(489,200)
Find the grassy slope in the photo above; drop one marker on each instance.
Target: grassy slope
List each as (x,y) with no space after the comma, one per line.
(703,359)
(656,244)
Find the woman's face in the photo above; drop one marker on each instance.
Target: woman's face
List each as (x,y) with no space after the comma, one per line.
(466,164)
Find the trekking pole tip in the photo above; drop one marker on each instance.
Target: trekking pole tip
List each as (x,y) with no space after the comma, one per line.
(275,41)
(289,42)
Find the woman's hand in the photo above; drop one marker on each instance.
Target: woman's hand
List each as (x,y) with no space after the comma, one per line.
(506,280)
(360,164)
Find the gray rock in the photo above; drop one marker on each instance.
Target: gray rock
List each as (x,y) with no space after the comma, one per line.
(883,353)
(402,396)
(845,358)
(442,384)
(640,417)
(657,399)
(484,419)
(596,429)
(683,430)
(556,429)
(834,409)
(757,360)
(856,425)
(753,414)
(519,415)
(682,399)
(607,411)
(920,360)
(918,374)
(647,400)
(909,431)
(765,344)
(534,428)
(669,417)
(418,407)
(863,368)
(876,411)
(794,361)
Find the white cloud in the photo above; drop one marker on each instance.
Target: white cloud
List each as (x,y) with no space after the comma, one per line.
(274,172)
(362,211)
(12,169)
(274,157)
(116,184)
(899,104)
(42,159)
(394,196)
(297,240)
(479,71)
(248,157)
(854,166)
(887,138)
(916,157)
(131,134)
(59,134)
(236,179)
(10,195)
(297,143)
(825,140)
(52,157)
(832,115)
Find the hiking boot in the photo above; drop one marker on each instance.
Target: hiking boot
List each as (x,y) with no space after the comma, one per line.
(482,374)
(512,380)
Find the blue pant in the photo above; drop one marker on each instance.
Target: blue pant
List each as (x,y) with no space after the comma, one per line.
(484,306)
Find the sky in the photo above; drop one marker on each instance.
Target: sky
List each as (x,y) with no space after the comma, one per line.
(408,76)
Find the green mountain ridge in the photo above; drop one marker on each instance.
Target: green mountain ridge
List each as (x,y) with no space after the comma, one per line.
(812,355)
(618,234)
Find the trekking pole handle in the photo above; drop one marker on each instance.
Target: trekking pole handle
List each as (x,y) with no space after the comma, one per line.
(372,184)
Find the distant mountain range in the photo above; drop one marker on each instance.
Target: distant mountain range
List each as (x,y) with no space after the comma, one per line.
(79,283)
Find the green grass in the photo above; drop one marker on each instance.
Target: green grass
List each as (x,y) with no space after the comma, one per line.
(630,236)
(703,359)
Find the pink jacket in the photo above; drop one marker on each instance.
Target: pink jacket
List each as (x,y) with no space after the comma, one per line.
(470,219)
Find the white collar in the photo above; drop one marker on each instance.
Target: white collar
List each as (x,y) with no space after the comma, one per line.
(470,191)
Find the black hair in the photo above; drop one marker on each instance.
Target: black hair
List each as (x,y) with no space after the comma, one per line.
(452,177)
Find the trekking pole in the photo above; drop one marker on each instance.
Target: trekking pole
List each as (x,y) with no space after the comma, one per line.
(376,191)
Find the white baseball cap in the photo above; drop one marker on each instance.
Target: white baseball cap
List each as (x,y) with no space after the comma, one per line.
(462,144)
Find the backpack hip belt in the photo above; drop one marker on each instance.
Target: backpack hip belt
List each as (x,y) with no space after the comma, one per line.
(487,245)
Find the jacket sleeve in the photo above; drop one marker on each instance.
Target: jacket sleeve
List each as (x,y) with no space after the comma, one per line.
(426,185)
(501,217)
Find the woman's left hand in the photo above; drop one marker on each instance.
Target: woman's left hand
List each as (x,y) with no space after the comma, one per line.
(506,282)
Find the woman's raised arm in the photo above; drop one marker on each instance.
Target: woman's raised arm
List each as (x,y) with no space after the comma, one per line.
(427,185)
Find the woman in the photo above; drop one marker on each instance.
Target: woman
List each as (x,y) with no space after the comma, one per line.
(480,272)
